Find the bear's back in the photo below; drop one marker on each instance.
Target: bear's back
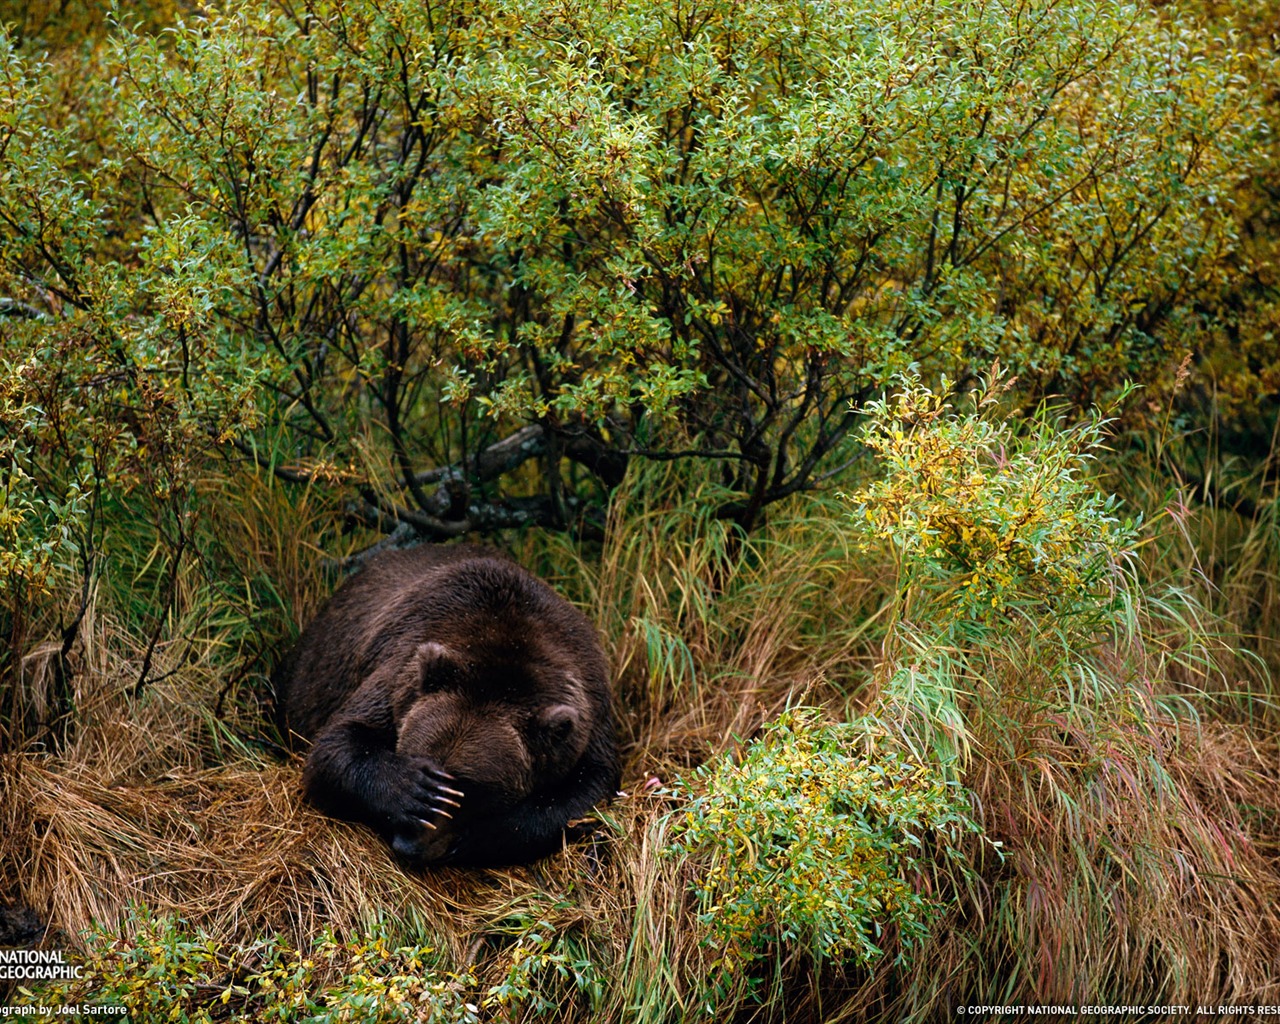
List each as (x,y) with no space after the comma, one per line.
(463,595)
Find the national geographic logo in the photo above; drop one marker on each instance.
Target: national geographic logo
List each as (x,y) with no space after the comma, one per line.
(37,965)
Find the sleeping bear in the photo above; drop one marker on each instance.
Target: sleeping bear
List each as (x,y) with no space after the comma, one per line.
(454,703)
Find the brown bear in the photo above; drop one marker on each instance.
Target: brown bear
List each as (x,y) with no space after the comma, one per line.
(455,703)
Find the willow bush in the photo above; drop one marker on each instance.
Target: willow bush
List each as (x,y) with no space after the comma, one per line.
(808,841)
(466,261)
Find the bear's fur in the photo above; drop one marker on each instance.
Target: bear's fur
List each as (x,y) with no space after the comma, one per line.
(455,703)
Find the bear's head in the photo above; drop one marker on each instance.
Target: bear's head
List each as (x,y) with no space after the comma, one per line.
(500,726)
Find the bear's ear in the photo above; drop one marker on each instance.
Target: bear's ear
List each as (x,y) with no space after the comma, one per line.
(557,722)
(436,666)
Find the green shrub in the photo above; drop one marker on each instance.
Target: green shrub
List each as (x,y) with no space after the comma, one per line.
(990,517)
(167,973)
(805,840)
(1005,551)
(365,242)
(544,972)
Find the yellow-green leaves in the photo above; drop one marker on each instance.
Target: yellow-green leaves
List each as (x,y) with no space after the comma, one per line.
(167,973)
(391,234)
(807,840)
(989,516)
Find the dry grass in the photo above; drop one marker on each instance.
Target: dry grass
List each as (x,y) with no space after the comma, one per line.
(236,853)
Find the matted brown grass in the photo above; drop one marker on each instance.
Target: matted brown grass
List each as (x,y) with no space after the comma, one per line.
(236,853)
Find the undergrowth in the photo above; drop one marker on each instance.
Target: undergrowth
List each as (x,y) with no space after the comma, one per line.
(1079,693)
(1040,765)
(807,839)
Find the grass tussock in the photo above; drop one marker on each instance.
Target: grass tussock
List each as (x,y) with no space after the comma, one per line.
(1128,795)
(711,635)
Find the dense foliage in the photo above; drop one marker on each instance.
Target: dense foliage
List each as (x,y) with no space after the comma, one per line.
(413,247)
(989,518)
(806,840)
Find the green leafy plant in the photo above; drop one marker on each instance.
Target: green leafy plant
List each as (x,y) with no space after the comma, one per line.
(170,973)
(544,972)
(1003,547)
(807,840)
(988,516)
